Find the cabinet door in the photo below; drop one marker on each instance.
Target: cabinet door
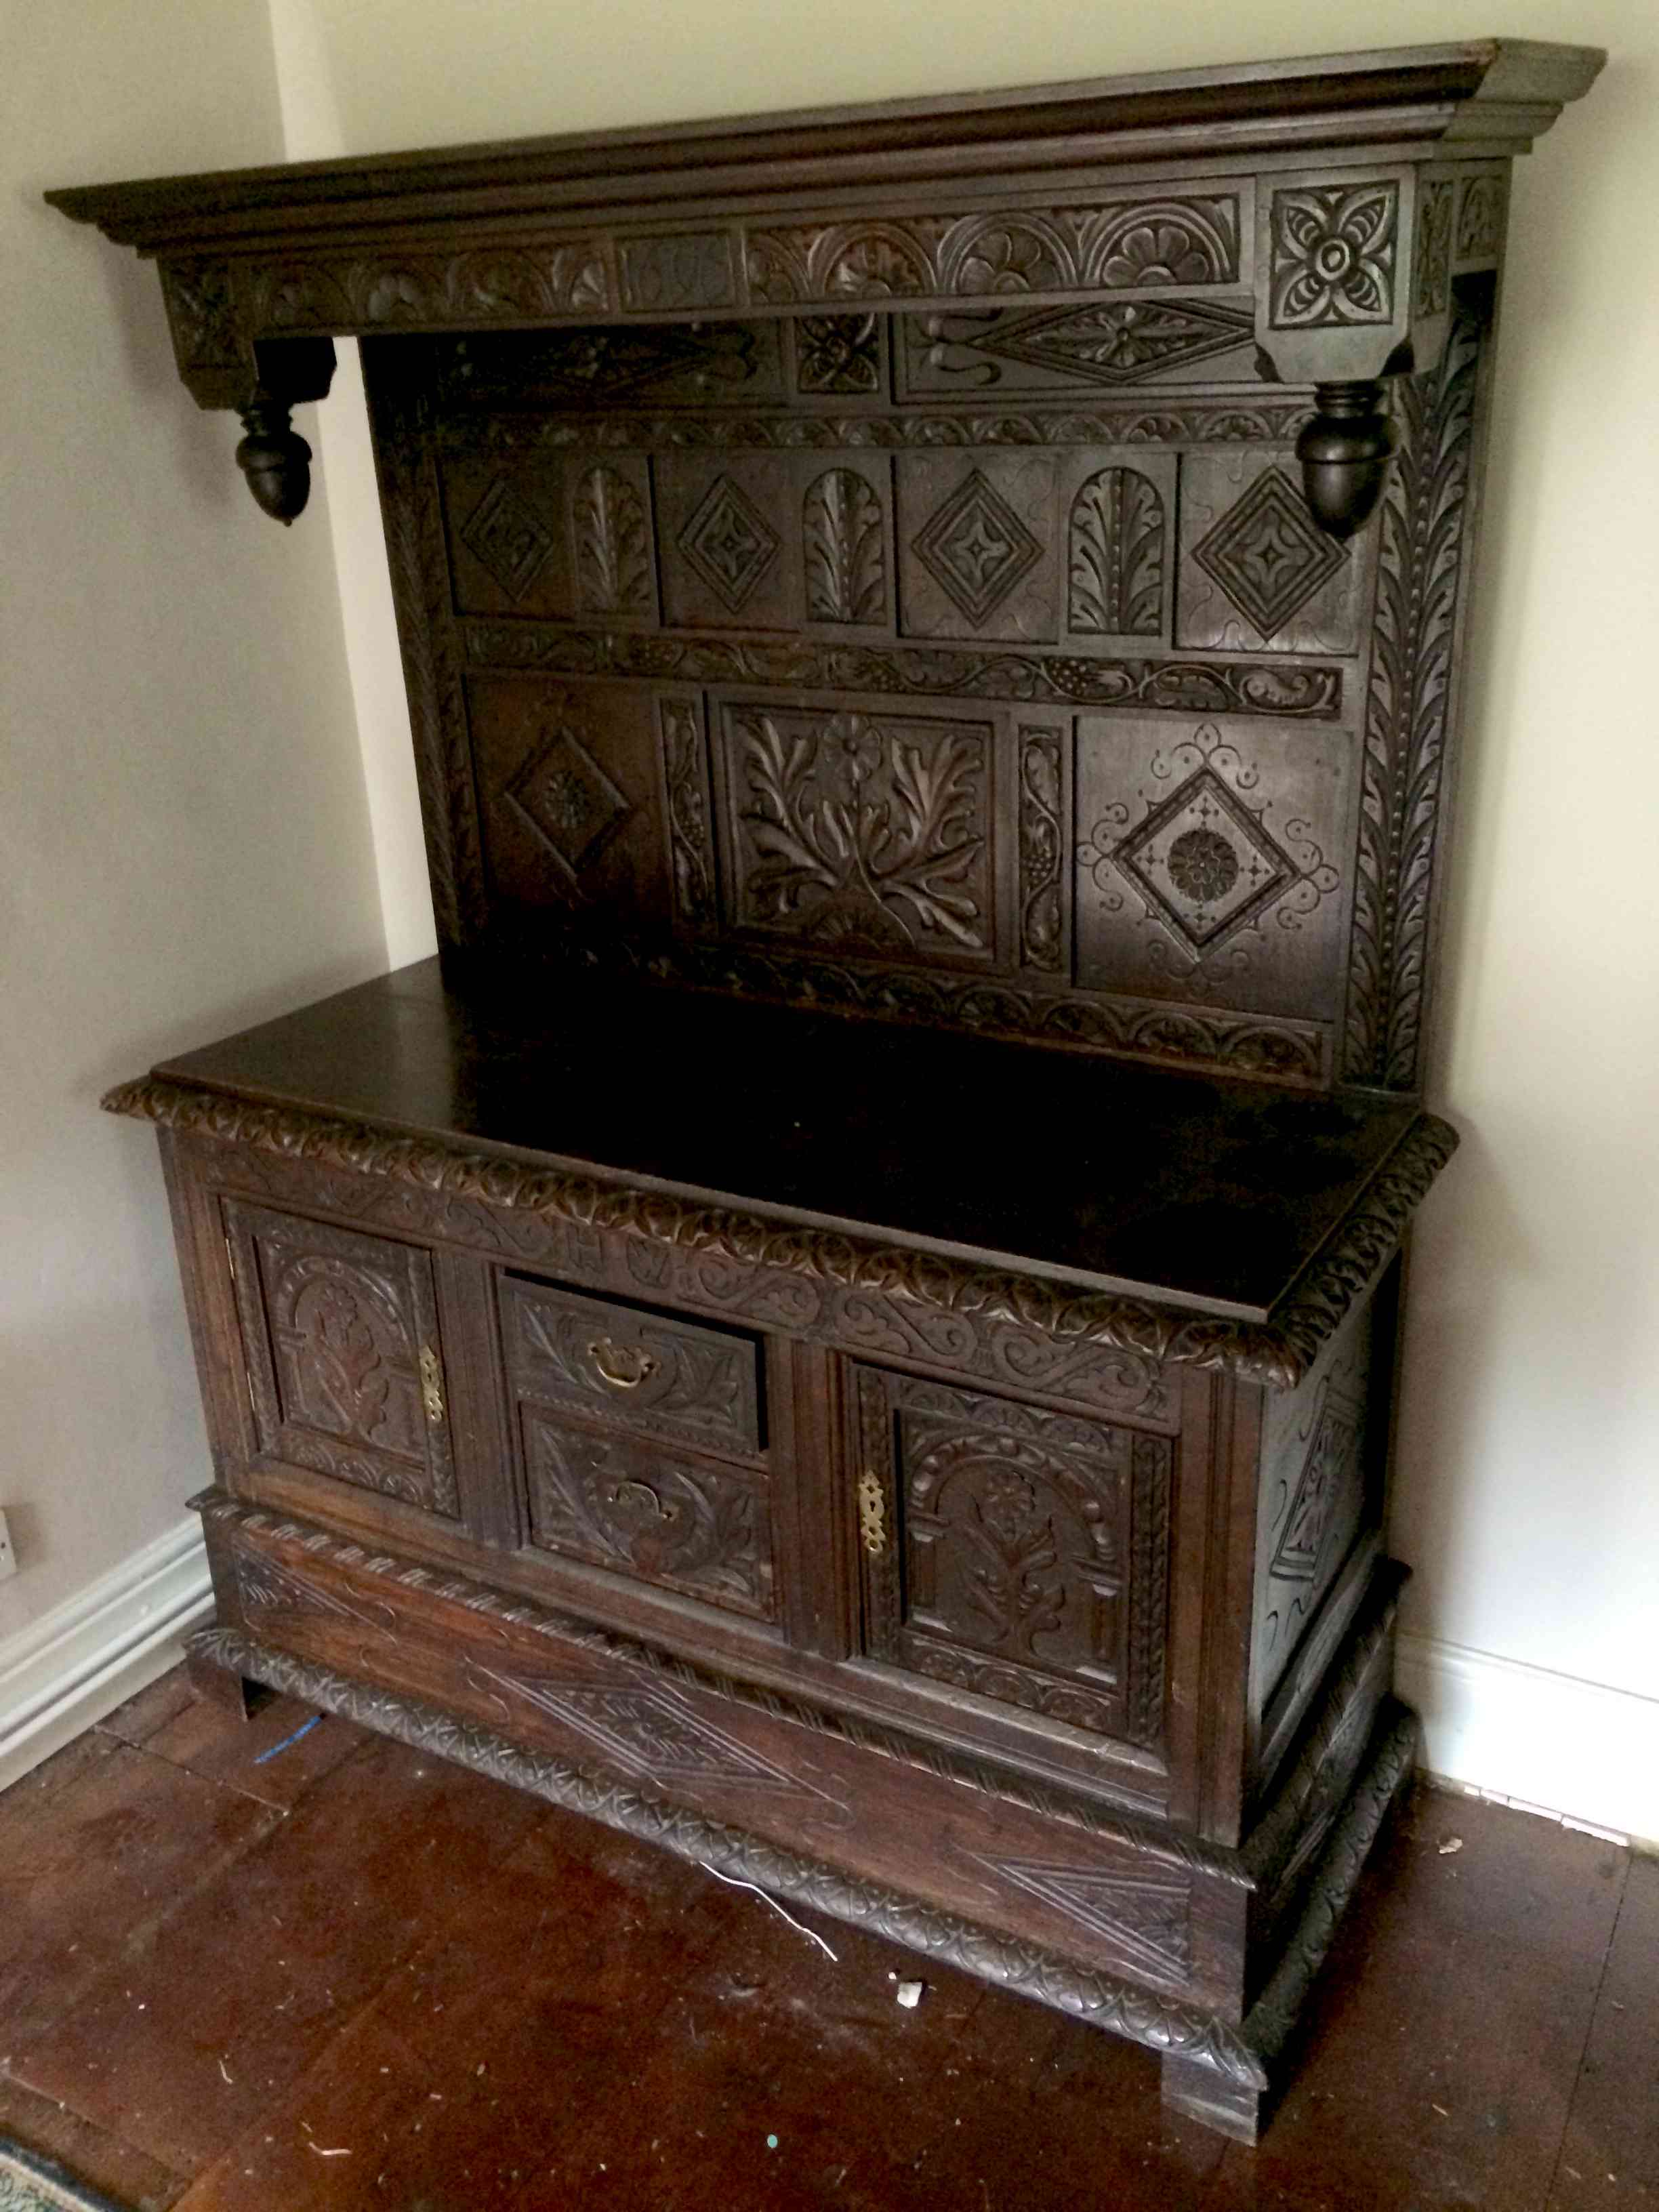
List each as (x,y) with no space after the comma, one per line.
(344,1362)
(1016,1553)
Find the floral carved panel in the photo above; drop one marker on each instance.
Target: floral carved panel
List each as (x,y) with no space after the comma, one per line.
(864,832)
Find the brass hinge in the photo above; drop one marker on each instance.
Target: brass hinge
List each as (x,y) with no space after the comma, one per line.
(432,1385)
(872,1514)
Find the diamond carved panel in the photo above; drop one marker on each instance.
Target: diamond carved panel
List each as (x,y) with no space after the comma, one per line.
(568,800)
(1256,571)
(977,547)
(1114,343)
(1208,864)
(508,537)
(729,543)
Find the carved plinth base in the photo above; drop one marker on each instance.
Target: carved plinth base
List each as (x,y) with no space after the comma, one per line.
(1215,2071)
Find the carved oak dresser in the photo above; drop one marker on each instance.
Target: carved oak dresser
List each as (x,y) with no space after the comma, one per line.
(847,1323)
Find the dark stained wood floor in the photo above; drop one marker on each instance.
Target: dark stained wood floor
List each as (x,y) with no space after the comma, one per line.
(345,1976)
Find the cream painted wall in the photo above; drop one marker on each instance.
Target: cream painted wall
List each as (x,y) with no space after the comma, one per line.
(1529,1478)
(184,839)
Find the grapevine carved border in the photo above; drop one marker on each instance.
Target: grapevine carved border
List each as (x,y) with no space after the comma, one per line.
(1278,1353)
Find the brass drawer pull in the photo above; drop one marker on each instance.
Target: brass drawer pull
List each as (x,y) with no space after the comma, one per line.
(432,1385)
(623,1366)
(872,1515)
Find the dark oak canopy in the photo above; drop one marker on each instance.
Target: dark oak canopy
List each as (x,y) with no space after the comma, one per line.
(847,1323)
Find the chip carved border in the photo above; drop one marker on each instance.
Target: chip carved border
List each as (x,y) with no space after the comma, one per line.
(1278,1353)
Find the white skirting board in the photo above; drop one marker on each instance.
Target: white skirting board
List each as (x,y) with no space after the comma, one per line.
(1548,1743)
(80,1660)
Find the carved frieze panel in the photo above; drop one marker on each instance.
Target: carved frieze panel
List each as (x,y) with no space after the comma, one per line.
(571,796)
(1255,570)
(1023,1555)
(646,364)
(1195,238)
(977,557)
(344,1365)
(671,1519)
(1211,865)
(864,831)
(1095,346)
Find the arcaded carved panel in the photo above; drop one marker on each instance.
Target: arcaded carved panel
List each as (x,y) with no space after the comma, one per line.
(671,1521)
(862,832)
(844,549)
(1028,1557)
(655,1373)
(1208,863)
(1188,239)
(548,280)
(345,1363)
(1120,552)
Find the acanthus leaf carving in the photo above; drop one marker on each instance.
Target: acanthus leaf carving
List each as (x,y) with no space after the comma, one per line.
(843,535)
(613,545)
(1118,556)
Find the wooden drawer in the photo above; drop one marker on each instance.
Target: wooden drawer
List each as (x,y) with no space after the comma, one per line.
(672,1519)
(633,1368)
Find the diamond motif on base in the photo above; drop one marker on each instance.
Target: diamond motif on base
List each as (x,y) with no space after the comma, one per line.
(1205,861)
(508,537)
(1268,553)
(976,548)
(729,543)
(568,801)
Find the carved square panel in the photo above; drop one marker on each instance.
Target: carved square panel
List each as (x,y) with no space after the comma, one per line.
(839,356)
(1212,861)
(1097,347)
(570,794)
(1256,572)
(726,541)
(976,549)
(1117,510)
(859,831)
(509,547)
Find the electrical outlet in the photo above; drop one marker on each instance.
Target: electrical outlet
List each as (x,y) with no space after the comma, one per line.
(7,1556)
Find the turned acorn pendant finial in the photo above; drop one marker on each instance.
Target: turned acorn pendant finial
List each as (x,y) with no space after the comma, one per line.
(274,458)
(1344,452)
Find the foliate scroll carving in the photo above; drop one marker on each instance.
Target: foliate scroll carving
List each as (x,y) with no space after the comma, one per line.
(613,545)
(862,833)
(844,543)
(1042,848)
(556,276)
(691,843)
(1333,254)
(1107,247)
(1408,709)
(1122,2008)
(1310,692)
(1481,218)
(1148,1634)
(924,1285)
(684,1523)
(1431,262)
(1117,557)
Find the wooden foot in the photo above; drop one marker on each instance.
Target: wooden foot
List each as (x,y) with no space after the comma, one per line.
(1203,2094)
(218,1685)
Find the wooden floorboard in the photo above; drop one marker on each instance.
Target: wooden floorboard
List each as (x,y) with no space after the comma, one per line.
(251,1967)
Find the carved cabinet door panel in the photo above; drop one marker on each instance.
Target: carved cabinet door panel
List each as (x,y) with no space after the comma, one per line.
(1015,1553)
(344,1361)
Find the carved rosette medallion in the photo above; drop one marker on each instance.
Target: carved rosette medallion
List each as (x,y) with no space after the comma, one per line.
(1334,255)
(568,801)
